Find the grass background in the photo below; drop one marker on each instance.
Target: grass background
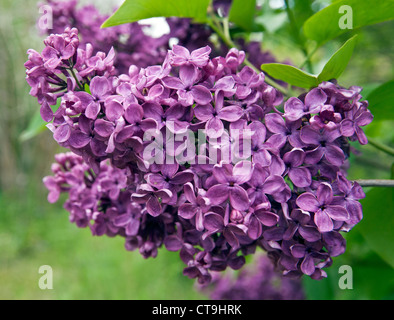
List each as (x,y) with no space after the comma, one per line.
(35,233)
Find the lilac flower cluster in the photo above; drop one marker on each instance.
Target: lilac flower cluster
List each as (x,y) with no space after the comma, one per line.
(133,45)
(101,201)
(258,178)
(257,281)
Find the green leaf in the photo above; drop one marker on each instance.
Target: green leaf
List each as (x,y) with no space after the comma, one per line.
(135,10)
(35,127)
(381,101)
(86,87)
(338,61)
(378,223)
(318,289)
(290,75)
(324,25)
(242,13)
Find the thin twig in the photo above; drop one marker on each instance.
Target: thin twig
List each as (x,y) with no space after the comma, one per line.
(380,146)
(376,183)
(227,40)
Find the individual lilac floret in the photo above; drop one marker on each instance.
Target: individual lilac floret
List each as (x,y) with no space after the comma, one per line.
(320,204)
(325,144)
(295,109)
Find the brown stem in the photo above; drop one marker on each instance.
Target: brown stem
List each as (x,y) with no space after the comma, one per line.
(376,183)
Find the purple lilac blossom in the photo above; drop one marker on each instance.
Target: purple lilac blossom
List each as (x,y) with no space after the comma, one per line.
(291,197)
(133,45)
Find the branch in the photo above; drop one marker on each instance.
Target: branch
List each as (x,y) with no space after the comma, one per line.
(376,183)
(380,146)
(214,23)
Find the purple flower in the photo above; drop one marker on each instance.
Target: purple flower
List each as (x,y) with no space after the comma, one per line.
(169,118)
(230,178)
(246,80)
(152,198)
(100,88)
(260,152)
(259,218)
(214,116)
(295,109)
(263,183)
(188,92)
(215,222)
(286,130)
(324,141)
(170,179)
(130,220)
(180,56)
(300,176)
(300,222)
(351,194)
(325,213)
(356,118)
(196,206)
(121,126)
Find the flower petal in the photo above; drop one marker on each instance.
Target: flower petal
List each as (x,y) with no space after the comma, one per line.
(267,218)
(214,127)
(201,94)
(62,133)
(275,123)
(230,114)
(239,198)
(308,202)
(213,222)
(323,221)
(153,206)
(92,110)
(337,213)
(218,194)
(134,113)
(301,177)
(78,139)
(308,265)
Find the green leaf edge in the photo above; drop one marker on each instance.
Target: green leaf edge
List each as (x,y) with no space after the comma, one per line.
(348,45)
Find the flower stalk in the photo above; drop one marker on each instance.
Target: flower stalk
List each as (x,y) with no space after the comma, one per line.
(380,146)
(224,34)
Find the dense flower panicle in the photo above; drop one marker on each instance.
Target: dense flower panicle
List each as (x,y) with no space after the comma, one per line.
(258,177)
(101,201)
(133,45)
(257,281)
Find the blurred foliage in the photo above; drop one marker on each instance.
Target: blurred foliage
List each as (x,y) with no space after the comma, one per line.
(34,233)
